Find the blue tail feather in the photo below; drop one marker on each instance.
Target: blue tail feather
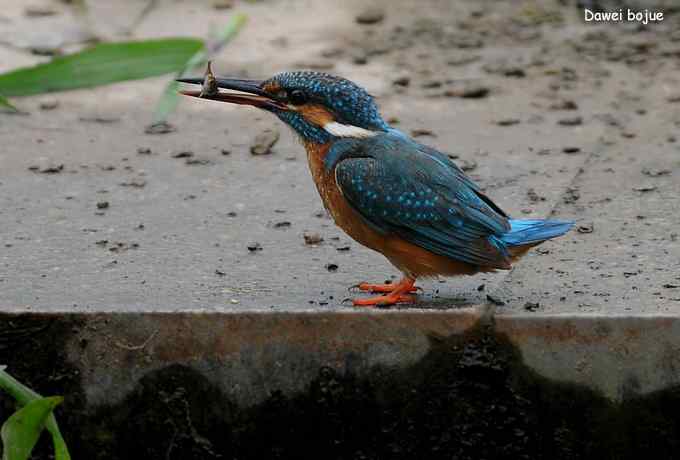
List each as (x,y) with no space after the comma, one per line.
(534,231)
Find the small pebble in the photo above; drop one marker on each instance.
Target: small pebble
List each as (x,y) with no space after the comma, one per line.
(402,81)
(263,143)
(312,238)
(564,105)
(420,132)
(47,167)
(651,172)
(222,4)
(586,228)
(469,92)
(198,161)
(45,50)
(49,104)
(160,128)
(431,84)
(371,15)
(254,246)
(135,182)
(532,306)
(468,165)
(572,121)
(516,72)
(508,122)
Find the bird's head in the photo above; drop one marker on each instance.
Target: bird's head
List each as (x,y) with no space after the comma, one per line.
(318,106)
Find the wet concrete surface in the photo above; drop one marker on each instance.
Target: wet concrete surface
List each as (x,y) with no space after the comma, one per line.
(387,385)
(121,229)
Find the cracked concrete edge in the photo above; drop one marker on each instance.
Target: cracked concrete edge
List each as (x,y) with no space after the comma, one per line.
(251,355)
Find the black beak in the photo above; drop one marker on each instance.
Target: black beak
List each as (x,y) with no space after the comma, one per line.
(250,92)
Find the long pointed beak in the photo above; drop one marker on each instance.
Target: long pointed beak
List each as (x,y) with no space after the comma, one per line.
(250,92)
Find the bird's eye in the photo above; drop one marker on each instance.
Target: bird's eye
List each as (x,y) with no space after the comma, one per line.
(297,97)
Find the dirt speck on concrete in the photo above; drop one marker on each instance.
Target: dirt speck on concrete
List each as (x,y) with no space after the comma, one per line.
(47,166)
(312,238)
(371,15)
(160,128)
(264,141)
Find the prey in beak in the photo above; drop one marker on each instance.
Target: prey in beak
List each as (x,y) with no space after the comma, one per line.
(250,92)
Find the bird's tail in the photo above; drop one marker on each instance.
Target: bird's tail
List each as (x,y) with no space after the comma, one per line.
(524,234)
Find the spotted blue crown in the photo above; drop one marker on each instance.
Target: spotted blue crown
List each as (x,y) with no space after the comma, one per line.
(350,103)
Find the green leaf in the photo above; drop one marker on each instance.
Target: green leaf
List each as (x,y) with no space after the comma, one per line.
(5,103)
(169,99)
(100,65)
(24,395)
(21,431)
(20,392)
(167,103)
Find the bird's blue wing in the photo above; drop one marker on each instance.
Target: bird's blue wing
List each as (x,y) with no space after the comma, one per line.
(404,188)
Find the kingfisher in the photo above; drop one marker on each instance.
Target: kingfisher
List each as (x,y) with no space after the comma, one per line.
(401,198)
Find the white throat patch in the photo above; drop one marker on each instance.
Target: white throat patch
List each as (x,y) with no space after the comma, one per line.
(340,130)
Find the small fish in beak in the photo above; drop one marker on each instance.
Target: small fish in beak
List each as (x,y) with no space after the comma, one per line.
(243,92)
(210,89)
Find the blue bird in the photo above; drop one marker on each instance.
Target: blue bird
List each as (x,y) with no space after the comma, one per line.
(390,193)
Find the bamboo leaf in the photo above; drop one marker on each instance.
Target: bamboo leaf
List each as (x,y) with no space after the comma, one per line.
(24,395)
(169,99)
(5,103)
(101,64)
(21,431)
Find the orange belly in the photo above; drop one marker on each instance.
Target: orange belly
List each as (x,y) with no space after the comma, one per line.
(407,257)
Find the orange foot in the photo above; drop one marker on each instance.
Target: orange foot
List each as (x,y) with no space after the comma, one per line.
(384,300)
(376,288)
(397,293)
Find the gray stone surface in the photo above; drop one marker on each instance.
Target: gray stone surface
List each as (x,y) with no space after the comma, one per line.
(167,241)
(252,355)
(150,314)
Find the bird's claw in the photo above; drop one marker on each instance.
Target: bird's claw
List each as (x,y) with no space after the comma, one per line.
(384,300)
(384,288)
(354,287)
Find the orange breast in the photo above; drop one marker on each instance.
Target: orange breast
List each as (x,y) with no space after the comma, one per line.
(407,257)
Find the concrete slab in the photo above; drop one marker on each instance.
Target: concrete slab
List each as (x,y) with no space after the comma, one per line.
(382,384)
(170,241)
(168,336)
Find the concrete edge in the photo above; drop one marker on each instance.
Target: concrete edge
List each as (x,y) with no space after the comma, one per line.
(252,354)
